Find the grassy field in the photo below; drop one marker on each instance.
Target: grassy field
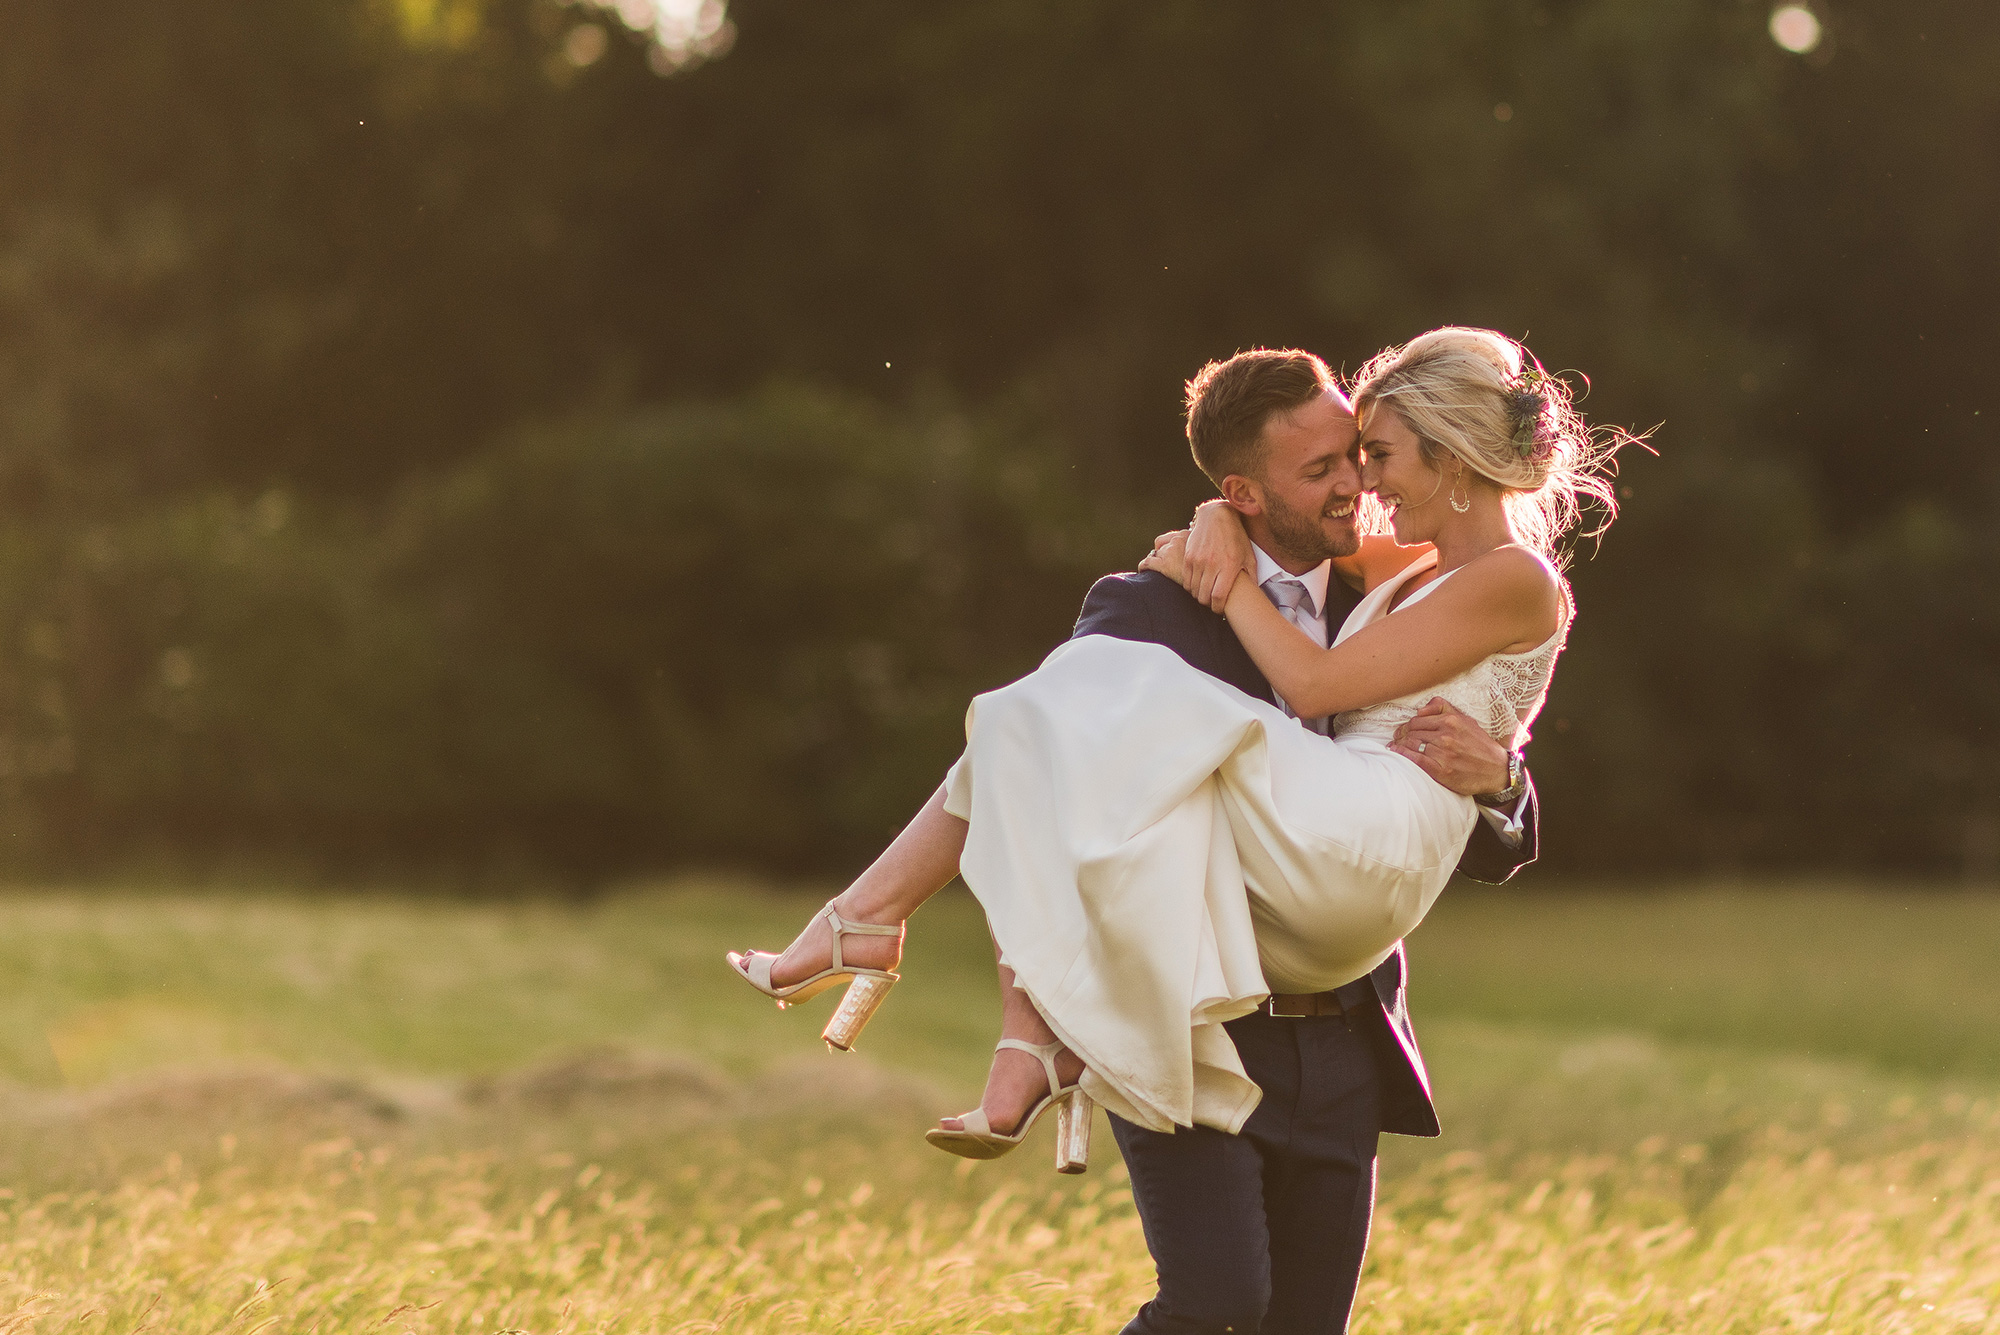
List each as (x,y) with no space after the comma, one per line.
(1696,1110)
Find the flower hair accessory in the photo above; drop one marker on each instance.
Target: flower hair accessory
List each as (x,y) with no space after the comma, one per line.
(1528,396)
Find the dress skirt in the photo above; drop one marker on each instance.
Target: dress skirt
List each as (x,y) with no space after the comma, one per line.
(1157,851)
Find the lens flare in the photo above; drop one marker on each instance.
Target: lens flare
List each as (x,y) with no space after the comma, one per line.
(1795,28)
(586,44)
(684,32)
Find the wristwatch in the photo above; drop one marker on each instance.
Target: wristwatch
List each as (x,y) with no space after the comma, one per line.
(1517,784)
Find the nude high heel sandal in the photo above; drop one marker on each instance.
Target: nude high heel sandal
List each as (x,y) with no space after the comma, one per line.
(1073,1118)
(866,988)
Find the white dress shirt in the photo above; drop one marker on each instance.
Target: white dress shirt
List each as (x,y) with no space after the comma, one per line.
(1311,618)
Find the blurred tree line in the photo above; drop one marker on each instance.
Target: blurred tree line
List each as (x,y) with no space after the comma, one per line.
(479,432)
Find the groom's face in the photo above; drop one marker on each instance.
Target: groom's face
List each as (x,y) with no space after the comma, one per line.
(1311,476)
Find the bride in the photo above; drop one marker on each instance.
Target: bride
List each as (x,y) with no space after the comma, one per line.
(1156,851)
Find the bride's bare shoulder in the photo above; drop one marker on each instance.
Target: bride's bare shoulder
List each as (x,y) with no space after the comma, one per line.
(1522,566)
(1378,560)
(1525,581)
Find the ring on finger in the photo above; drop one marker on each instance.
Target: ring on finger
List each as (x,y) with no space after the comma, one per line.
(1423,747)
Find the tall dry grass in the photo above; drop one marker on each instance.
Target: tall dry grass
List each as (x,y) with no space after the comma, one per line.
(804,1204)
(1588,1181)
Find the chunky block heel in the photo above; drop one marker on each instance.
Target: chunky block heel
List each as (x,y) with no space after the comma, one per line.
(1073,1121)
(978,1140)
(865,987)
(857,1006)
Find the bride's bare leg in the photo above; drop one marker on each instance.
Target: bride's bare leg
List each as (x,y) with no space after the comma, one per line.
(920,862)
(1017,1082)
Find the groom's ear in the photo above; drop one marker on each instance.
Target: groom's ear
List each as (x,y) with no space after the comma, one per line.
(1244,495)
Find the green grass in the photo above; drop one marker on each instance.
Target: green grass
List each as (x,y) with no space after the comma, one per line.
(1682,1111)
(1903,979)
(98,986)
(110,984)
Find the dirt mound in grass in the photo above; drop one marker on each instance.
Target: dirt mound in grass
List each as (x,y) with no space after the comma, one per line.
(595,1081)
(607,1075)
(220,1097)
(843,1086)
(667,1085)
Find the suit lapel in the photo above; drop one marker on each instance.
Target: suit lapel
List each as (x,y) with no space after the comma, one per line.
(1340,601)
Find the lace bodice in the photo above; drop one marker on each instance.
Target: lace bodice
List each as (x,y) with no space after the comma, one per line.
(1502,693)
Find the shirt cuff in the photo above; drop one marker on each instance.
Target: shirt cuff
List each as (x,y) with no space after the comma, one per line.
(1508,822)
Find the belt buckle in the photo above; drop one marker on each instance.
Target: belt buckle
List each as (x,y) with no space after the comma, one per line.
(1319,1008)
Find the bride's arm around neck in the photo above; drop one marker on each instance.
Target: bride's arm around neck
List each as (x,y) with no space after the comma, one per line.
(1508,600)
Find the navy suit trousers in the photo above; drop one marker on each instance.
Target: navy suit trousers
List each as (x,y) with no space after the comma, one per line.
(1263,1233)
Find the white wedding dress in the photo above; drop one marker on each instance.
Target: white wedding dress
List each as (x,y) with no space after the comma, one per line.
(1120,804)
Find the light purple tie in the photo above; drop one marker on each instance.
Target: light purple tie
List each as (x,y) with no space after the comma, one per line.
(1294,600)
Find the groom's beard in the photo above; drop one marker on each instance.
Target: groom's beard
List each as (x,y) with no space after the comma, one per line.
(1309,536)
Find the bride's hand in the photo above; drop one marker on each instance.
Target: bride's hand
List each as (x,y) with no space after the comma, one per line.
(1217,551)
(1169,555)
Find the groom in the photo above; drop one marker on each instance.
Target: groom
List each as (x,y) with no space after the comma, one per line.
(1262,1233)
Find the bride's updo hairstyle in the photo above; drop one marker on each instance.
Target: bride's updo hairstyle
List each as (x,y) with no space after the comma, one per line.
(1485,400)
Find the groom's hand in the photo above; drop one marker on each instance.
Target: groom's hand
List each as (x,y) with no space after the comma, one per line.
(1447,745)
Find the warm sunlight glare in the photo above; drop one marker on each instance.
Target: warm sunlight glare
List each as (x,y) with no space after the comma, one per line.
(1795,28)
(684,32)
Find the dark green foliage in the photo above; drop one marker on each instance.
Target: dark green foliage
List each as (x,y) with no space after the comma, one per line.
(405,393)
(743,633)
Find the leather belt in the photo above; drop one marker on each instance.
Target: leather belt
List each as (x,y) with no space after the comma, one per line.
(1303,1005)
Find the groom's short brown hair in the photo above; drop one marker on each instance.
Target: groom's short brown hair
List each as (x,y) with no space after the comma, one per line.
(1228,403)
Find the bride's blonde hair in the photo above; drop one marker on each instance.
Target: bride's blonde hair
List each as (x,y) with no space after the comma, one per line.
(1483,398)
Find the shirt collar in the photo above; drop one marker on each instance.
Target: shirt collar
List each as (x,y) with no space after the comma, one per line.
(1314,579)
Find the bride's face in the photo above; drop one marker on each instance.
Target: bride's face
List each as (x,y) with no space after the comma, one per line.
(1406,483)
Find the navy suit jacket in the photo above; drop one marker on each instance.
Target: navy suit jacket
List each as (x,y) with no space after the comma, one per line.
(1148,606)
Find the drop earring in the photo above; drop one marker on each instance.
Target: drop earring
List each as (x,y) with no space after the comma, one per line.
(1456,505)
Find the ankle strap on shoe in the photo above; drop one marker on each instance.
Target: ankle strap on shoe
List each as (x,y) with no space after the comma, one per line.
(842,927)
(1046,1051)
